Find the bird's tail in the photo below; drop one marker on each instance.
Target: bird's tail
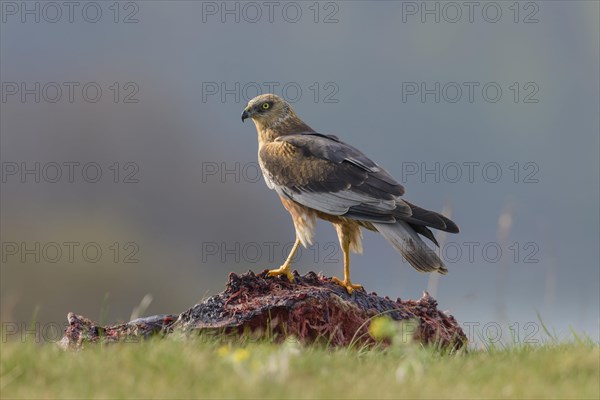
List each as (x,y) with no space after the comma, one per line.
(406,240)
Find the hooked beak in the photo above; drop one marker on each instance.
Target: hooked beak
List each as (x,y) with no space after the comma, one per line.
(245,115)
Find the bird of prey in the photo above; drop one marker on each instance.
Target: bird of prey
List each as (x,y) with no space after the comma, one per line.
(318,176)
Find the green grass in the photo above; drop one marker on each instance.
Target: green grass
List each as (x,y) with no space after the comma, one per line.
(207,368)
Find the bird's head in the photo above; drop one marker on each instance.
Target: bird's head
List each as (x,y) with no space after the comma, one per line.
(267,110)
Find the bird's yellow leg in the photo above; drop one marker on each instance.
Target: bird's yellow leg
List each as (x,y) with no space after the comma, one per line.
(346,282)
(285,268)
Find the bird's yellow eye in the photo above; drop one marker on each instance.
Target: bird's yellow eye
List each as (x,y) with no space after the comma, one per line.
(266,106)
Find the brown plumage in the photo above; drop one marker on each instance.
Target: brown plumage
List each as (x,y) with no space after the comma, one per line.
(319,176)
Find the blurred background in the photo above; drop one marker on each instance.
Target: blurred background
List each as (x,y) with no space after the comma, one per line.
(128,178)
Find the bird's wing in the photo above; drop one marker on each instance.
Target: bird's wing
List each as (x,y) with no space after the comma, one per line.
(323,173)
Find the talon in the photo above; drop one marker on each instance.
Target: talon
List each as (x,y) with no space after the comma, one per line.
(283,270)
(350,287)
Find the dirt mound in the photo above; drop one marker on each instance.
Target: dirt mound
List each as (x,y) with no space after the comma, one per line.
(311,308)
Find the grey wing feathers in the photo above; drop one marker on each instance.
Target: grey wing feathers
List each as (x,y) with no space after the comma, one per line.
(330,148)
(353,186)
(356,188)
(423,217)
